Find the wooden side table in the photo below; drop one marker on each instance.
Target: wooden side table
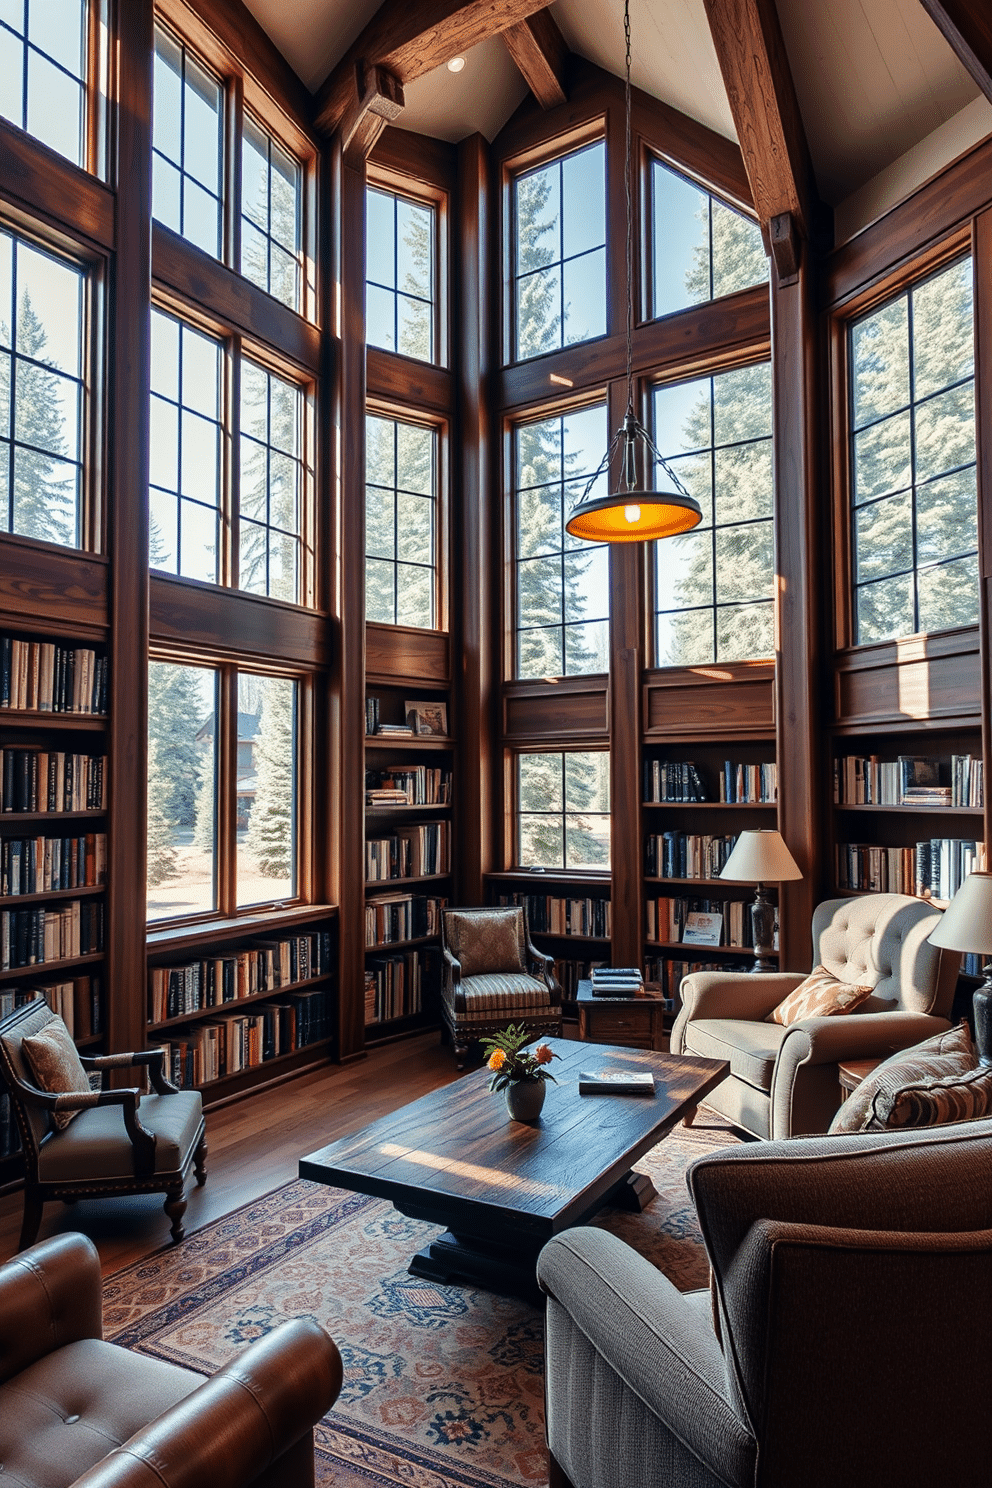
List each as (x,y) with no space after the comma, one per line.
(852,1072)
(630,1022)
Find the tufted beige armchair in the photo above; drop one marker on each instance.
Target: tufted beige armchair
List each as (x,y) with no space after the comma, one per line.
(784,1081)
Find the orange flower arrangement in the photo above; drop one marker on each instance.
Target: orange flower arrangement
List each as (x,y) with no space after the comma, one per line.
(510,1062)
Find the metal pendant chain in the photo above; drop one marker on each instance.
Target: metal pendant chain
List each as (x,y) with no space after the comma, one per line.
(630,215)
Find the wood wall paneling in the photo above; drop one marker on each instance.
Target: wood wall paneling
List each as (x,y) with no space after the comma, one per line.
(400,653)
(53,587)
(44,183)
(910,684)
(408,383)
(570,709)
(734,701)
(227,622)
(418,156)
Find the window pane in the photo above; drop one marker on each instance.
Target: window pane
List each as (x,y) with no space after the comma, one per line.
(701,249)
(187,139)
(880,363)
(43,62)
(271,228)
(401,517)
(272,483)
(885,610)
(401,274)
(583,200)
(583,298)
(186,373)
(947,594)
(884,538)
(943,330)
(559,252)
(182,800)
(563,810)
(266,789)
(738,252)
(743,631)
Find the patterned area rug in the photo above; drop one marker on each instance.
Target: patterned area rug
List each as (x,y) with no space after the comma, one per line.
(443,1386)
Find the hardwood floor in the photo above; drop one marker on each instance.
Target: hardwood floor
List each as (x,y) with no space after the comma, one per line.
(254,1146)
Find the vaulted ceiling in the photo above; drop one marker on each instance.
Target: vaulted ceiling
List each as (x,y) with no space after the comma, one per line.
(873,77)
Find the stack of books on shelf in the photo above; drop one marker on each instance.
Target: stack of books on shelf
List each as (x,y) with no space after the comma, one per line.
(910,780)
(394,730)
(47,677)
(412,852)
(78,1002)
(932,869)
(668,918)
(740,783)
(394,917)
(617,981)
(32,937)
(687,854)
(40,780)
(264,966)
(227,1046)
(45,865)
(394,987)
(550,914)
(408,785)
(672,780)
(669,974)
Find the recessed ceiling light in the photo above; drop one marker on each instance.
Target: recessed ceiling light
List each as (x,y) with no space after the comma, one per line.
(456,64)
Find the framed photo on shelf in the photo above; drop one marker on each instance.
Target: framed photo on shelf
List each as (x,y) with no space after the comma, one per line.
(702,928)
(427,719)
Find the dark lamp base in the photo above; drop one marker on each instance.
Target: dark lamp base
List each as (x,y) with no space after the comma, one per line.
(763,931)
(982,1004)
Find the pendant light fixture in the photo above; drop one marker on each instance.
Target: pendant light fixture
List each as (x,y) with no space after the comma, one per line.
(632,514)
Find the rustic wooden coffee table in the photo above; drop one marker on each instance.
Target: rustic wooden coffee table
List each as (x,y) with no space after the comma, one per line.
(502,1188)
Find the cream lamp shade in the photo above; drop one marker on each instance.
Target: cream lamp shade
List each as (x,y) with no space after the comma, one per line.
(760,856)
(966,924)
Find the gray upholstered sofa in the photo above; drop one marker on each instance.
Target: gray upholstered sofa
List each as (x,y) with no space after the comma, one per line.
(853,1287)
(784,1080)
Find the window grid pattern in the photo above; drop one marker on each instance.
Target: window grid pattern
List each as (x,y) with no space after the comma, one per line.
(700,248)
(41,393)
(559,251)
(185,456)
(401,581)
(912,453)
(271,234)
(266,841)
(714,586)
(182,845)
(401,274)
(561,584)
(563,810)
(43,66)
(271,484)
(187,145)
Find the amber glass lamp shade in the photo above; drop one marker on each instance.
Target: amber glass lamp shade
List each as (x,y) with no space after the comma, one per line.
(634,516)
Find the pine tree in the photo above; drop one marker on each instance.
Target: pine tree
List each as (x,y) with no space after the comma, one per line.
(175,715)
(44,488)
(271,824)
(162,859)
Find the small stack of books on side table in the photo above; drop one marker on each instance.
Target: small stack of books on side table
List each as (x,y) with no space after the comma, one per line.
(617,981)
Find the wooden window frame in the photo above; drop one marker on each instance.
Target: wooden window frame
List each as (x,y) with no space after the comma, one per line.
(511,815)
(440,425)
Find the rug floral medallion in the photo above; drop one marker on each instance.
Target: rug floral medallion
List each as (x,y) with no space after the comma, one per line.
(443,1385)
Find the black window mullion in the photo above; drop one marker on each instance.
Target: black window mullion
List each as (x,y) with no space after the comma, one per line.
(912,457)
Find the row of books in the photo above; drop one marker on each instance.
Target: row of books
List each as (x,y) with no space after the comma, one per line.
(724,921)
(568,974)
(679,780)
(910,780)
(393,917)
(551,914)
(226,1046)
(42,780)
(263,966)
(394,986)
(688,854)
(32,937)
(410,852)
(408,785)
(934,868)
(47,677)
(742,783)
(668,974)
(45,865)
(78,1002)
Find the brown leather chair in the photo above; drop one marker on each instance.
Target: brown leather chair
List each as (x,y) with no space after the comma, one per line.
(494,976)
(115,1145)
(77,1410)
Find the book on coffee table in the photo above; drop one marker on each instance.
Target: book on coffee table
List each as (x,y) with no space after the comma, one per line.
(616,1082)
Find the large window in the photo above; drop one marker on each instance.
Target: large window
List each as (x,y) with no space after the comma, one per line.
(714,585)
(204,721)
(401,520)
(187,370)
(913,485)
(700,248)
(42,304)
(401,274)
(562,585)
(563,810)
(188,137)
(559,253)
(271,216)
(43,49)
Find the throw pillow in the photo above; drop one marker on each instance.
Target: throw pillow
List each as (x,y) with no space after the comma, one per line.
(52,1058)
(821,995)
(966,1097)
(486,940)
(943,1057)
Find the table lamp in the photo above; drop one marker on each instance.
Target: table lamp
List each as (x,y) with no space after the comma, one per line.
(966,925)
(761,857)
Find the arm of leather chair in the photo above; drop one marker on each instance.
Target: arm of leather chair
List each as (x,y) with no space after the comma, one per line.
(641,1326)
(541,965)
(720,994)
(127,1098)
(452,980)
(152,1057)
(230,1430)
(50,1295)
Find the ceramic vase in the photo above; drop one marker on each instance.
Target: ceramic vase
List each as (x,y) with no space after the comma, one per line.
(524,1099)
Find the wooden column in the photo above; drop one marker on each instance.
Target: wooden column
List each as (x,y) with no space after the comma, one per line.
(473,506)
(982,249)
(798,563)
(127,531)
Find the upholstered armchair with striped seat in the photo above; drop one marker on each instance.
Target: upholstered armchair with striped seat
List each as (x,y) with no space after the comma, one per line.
(494,976)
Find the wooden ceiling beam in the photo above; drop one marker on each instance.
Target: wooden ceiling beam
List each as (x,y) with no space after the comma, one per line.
(762,96)
(410,38)
(541,54)
(967,26)
(377,101)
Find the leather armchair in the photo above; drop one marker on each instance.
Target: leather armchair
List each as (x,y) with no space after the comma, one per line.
(494,975)
(784,1080)
(77,1410)
(852,1283)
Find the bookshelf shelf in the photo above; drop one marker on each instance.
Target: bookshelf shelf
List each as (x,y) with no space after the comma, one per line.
(47,969)
(47,816)
(78,722)
(574,878)
(220,1009)
(375,885)
(401,810)
(386,947)
(725,885)
(908,809)
(235,1081)
(18,901)
(703,950)
(710,805)
(402,741)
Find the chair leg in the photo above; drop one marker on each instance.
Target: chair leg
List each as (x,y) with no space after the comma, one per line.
(461,1053)
(175,1208)
(690,1116)
(200,1161)
(31,1223)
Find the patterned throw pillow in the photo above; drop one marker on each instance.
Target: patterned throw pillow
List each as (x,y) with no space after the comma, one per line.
(486,940)
(946,1056)
(966,1097)
(819,996)
(54,1062)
